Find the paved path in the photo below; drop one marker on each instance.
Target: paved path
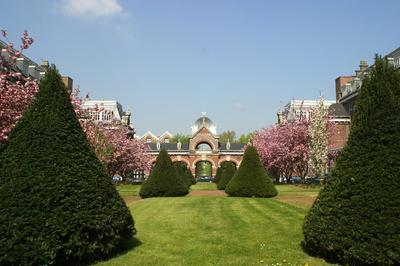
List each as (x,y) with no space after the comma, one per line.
(215,193)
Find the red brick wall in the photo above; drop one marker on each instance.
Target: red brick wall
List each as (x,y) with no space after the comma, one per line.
(339,136)
(339,82)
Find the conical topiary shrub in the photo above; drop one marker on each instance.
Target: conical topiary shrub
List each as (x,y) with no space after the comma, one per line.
(163,181)
(189,176)
(228,170)
(185,174)
(251,179)
(57,203)
(355,218)
(218,174)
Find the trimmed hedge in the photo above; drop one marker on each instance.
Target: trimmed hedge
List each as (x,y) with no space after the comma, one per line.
(228,170)
(251,179)
(355,218)
(163,181)
(184,172)
(219,172)
(218,175)
(57,203)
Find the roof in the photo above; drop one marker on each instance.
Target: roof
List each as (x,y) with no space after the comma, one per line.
(234,146)
(168,146)
(338,110)
(185,146)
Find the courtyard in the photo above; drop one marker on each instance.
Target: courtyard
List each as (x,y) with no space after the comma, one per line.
(208,228)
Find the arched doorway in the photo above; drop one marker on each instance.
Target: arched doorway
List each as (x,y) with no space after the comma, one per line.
(203,168)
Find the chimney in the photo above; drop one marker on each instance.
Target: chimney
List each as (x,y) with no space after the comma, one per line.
(68,82)
(45,64)
(363,65)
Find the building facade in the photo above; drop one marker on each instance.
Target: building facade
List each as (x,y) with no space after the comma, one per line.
(203,154)
(347,87)
(29,68)
(149,137)
(337,115)
(299,108)
(107,111)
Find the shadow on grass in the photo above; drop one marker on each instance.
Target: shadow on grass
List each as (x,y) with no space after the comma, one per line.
(329,257)
(122,249)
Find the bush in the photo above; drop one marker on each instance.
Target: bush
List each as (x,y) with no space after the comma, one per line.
(163,181)
(355,218)
(185,174)
(251,179)
(228,170)
(218,175)
(57,203)
(219,172)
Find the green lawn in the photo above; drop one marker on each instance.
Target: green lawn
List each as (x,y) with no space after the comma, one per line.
(203,186)
(128,190)
(216,231)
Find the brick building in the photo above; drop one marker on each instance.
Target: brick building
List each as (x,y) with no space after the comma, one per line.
(203,154)
(337,115)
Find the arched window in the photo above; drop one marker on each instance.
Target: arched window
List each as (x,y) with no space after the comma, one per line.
(203,146)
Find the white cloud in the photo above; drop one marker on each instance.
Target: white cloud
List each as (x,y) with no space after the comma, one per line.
(91,8)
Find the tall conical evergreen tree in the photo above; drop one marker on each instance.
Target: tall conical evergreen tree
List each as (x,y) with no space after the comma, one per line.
(57,203)
(163,181)
(355,218)
(228,170)
(251,179)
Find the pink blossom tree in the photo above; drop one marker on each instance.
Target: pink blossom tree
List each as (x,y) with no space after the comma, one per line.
(284,148)
(111,142)
(16,90)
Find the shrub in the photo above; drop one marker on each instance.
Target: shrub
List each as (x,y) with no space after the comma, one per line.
(219,172)
(163,181)
(355,218)
(184,172)
(251,179)
(218,175)
(228,170)
(57,203)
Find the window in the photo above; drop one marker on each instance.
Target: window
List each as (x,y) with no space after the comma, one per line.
(166,140)
(203,146)
(148,140)
(107,116)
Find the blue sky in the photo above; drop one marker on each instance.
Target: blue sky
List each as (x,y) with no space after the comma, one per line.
(169,60)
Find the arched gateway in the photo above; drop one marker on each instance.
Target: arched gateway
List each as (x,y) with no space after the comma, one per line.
(204,153)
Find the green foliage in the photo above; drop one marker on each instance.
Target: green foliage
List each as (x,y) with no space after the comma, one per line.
(246,138)
(251,179)
(163,181)
(227,135)
(218,174)
(57,203)
(184,172)
(180,137)
(355,219)
(228,170)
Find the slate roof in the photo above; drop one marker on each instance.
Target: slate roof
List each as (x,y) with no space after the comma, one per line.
(168,146)
(234,146)
(185,146)
(337,110)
